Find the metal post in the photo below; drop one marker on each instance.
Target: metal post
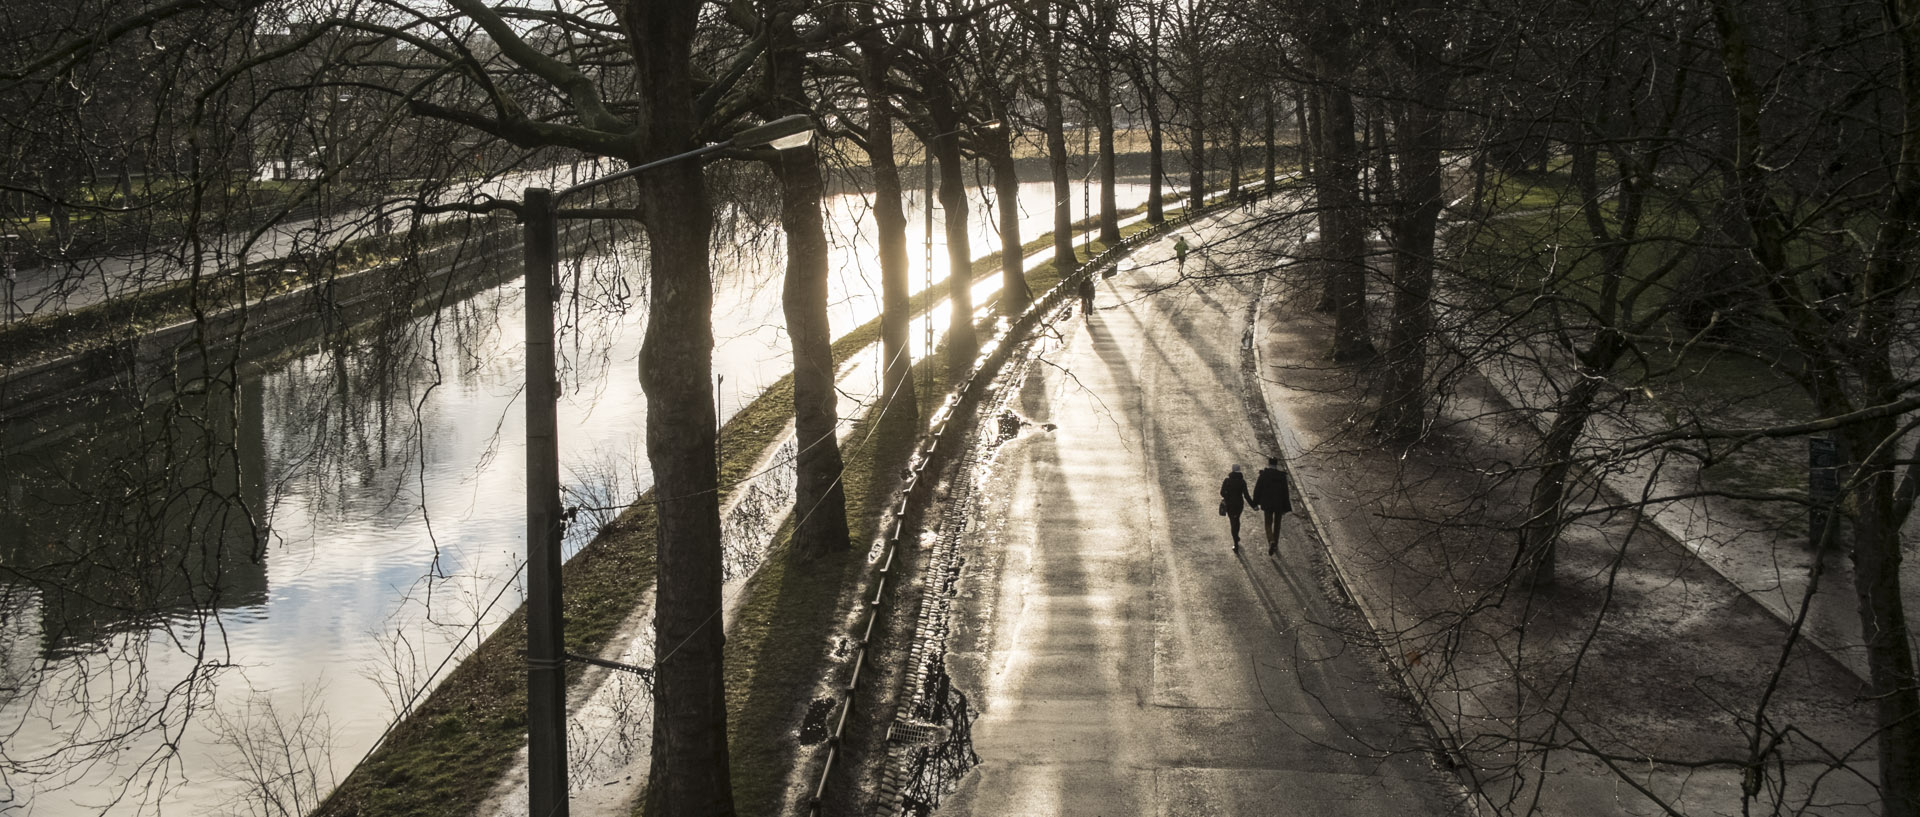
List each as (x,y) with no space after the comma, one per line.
(1823,488)
(6,265)
(546,656)
(546,679)
(926,206)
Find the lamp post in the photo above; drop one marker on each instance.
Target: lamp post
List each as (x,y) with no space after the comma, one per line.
(6,266)
(546,680)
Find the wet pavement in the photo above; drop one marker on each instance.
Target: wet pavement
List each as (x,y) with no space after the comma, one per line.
(1123,658)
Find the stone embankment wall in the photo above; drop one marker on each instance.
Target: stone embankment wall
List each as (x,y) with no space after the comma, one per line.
(37,400)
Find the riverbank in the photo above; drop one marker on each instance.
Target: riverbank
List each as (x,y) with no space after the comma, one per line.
(103,359)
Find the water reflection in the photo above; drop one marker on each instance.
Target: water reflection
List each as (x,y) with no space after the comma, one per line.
(182,531)
(299,541)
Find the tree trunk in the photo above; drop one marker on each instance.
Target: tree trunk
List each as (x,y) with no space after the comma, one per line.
(962,344)
(1235,135)
(1014,293)
(1540,533)
(1064,259)
(1322,245)
(1383,181)
(1305,133)
(1883,620)
(819,500)
(899,403)
(1145,78)
(1272,135)
(1882,500)
(1103,117)
(1343,230)
(59,181)
(1366,153)
(689,770)
(1403,407)
(1156,163)
(1197,172)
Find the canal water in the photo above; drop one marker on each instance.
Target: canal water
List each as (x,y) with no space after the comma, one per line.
(218,601)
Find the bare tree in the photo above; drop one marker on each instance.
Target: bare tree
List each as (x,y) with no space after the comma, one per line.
(1850,314)
(874,58)
(820,499)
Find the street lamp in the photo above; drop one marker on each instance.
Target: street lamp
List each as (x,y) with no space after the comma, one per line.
(546,683)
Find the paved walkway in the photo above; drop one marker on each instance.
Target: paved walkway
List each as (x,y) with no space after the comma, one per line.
(1632,687)
(1124,660)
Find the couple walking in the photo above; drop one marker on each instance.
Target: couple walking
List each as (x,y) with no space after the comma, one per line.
(1269,495)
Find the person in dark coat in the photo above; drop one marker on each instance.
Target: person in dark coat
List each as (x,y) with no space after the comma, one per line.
(1270,495)
(1233,499)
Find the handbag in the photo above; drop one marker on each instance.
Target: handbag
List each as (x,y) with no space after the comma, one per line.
(1223,507)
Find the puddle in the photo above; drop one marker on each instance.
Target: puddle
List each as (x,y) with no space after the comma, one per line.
(814,728)
(941,735)
(1009,425)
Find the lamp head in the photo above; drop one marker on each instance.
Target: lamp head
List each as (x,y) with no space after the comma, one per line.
(790,142)
(781,134)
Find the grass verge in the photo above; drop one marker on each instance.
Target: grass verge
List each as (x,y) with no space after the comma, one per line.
(777,645)
(1541,266)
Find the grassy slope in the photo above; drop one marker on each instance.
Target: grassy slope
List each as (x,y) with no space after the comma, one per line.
(1543,245)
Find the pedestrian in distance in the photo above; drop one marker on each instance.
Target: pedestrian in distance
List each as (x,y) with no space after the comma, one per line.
(1271,496)
(1086,297)
(1234,499)
(1180,250)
